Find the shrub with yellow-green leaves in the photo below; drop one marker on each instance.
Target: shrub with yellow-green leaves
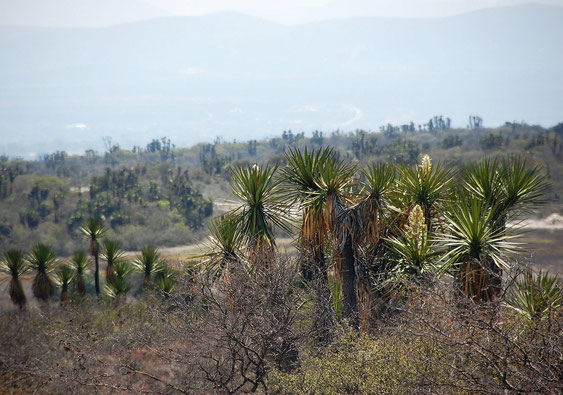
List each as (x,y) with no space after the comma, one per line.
(362,364)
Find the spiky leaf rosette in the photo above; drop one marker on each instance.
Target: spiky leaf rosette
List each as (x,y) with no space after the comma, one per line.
(165,280)
(429,186)
(378,182)
(473,248)
(412,255)
(64,275)
(509,186)
(15,265)
(536,295)
(148,261)
(120,287)
(79,261)
(261,208)
(42,260)
(93,230)
(318,182)
(111,251)
(225,245)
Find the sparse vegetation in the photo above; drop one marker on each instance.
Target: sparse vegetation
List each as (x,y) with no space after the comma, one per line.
(365,306)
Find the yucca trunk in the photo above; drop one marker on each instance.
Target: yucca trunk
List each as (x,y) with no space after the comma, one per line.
(17,294)
(80,285)
(147,281)
(477,281)
(64,294)
(97,274)
(349,285)
(110,274)
(43,288)
(324,315)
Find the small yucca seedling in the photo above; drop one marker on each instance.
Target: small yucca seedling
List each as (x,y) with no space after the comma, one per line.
(149,263)
(119,288)
(80,263)
(534,296)
(42,260)
(65,274)
(15,266)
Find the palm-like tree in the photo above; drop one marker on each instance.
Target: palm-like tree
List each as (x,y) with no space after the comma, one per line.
(65,275)
(510,188)
(378,186)
(473,245)
(335,183)
(149,262)
(119,288)
(80,263)
(15,265)
(374,220)
(94,230)
(42,260)
(111,251)
(307,190)
(261,208)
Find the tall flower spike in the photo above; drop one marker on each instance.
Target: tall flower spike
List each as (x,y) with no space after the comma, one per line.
(426,165)
(416,224)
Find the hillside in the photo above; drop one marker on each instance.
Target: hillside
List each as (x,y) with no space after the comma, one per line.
(163,194)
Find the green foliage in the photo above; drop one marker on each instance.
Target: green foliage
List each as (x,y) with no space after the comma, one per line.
(427,185)
(361,364)
(534,296)
(472,236)
(15,265)
(261,208)
(94,230)
(148,262)
(225,245)
(119,288)
(79,261)
(165,280)
(42,260)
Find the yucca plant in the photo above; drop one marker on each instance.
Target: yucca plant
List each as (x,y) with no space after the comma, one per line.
(15,265)
(149,262)
(119,288)
(473,246)
(80,263)
(165,280)
(65,275)
(427,185)
(42,260)
(225,245)
(412,255)
(94,230)
(535,295)
(510,188)
(261,208)
(300,179)
(378,186)
(111,251)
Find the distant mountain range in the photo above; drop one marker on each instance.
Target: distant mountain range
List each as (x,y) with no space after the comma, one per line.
(231,75)
(75,13)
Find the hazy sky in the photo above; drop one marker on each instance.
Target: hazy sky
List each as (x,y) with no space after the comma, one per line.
(296,11)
